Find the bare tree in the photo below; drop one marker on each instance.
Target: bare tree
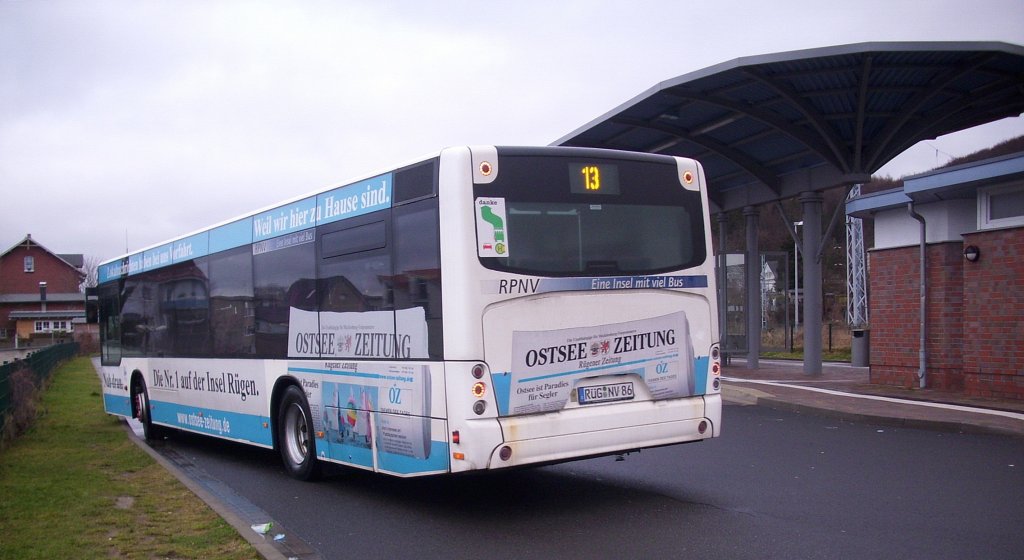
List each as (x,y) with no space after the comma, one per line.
(90,266)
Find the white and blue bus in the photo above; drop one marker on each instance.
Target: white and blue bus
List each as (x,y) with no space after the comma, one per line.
(484,308)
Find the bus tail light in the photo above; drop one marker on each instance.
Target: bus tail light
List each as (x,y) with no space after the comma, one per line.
(479,389)
(479,407)
(505,453)
(702,427)
(455,436)
(478,371)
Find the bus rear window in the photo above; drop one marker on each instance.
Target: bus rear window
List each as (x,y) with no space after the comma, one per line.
(606,218)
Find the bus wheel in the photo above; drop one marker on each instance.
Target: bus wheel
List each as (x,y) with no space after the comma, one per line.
(143,411)
(295,435)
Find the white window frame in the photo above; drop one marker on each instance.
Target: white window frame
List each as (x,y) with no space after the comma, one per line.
(984,207)
(30,264)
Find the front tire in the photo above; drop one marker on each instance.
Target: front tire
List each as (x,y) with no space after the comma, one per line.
(295,438)
(143,412)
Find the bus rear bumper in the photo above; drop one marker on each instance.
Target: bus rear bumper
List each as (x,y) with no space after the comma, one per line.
(585,432)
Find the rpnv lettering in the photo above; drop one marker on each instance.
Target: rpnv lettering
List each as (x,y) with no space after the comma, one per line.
(516,286)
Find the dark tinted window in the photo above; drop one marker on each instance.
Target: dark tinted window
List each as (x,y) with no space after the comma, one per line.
(417,279)
(356,299)
(110,323)
(232,303)
(140,329)
(184,308)
(648,223)
(417,181)
(354,239)
(284,276)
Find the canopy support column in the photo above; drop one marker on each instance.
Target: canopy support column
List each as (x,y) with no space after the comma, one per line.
(812,292)
(753,288)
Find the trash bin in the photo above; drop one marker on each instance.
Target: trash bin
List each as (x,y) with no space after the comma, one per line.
(860,348)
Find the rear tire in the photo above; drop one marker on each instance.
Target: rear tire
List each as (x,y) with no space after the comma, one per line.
(295,437)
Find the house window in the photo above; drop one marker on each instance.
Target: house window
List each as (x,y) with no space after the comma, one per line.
(53,326)
(1001,206)
(30,264)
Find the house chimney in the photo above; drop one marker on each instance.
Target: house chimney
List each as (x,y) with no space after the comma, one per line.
(42,295)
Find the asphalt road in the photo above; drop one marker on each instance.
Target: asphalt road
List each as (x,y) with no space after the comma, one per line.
(775,485)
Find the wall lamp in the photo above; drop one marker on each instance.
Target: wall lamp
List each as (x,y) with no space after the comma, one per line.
(972,253)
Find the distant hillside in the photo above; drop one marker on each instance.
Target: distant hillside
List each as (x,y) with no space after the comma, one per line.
(1010,146)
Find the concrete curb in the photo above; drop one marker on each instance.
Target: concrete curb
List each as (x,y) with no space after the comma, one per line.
(831,408)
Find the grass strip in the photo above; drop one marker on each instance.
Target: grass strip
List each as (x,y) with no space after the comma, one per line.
(75,486)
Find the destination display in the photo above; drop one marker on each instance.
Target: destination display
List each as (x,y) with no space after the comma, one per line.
(593,178)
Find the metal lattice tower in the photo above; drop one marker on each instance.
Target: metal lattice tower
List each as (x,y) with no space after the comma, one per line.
(856,269)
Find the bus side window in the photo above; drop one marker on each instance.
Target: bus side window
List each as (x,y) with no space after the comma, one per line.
(355,265)
(354,277)
(417,277)
(184,308)
(282,278)
(232,304)
(110,324)
(138,316)
(416,182)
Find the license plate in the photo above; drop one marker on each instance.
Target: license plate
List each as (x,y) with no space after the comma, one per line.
(605,393)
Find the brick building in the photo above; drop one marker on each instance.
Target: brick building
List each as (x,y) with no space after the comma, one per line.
(40,295)
(973,216)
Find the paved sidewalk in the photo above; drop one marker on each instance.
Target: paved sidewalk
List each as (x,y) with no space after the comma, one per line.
(843,391)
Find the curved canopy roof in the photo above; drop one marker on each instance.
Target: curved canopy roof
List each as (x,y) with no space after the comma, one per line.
(772,126)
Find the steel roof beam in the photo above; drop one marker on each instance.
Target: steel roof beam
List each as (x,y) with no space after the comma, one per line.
(748,164)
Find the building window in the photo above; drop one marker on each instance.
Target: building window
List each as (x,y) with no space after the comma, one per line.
(1001,206)
(53,326)
(30,264)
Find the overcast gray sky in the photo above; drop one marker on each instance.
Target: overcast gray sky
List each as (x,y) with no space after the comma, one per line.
(131,122)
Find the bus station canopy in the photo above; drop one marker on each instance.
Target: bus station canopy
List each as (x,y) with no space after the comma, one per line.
(773,126)
(777,126)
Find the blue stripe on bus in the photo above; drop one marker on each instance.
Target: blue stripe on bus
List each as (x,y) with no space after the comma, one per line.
(620,283)
(114,404)
(700,375)
(354,200)
(345,453)
(191,247)
(289,218)
(229,236)
(221,423)
(401,464)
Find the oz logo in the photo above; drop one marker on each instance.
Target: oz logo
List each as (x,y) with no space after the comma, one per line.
(661,368)
(395,395)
